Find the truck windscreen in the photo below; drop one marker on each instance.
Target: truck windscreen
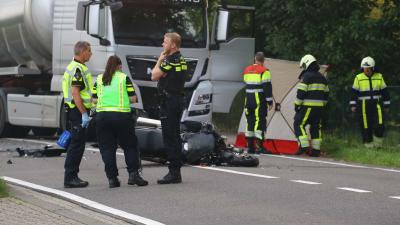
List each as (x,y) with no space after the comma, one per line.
(143,23)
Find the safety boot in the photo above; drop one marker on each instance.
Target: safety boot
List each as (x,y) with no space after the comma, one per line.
(135,178)
(315,153)
(75,182)
(172,177)
(114,182)
(250,145)
(301,150)
(260,147)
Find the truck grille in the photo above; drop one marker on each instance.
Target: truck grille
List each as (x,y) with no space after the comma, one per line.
(140,67)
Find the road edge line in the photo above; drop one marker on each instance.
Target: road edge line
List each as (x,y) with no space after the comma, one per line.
(98,207)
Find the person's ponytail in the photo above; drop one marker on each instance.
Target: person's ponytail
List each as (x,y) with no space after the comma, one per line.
(112,66)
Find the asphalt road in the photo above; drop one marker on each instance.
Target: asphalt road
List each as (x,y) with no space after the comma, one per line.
(282,190)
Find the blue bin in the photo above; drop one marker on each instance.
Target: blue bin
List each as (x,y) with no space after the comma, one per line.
(64,140)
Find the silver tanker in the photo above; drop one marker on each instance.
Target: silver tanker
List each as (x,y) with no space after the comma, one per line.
(37,38)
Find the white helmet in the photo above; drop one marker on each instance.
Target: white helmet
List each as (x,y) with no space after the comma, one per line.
(306,61)
(367,62)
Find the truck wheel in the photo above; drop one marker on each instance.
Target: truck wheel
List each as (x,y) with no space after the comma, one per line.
(63,120)
(2,118)
(42,131)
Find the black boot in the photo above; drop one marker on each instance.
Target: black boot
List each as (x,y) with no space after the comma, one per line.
(250,145)
(301,150)
(135,178)
(172,177)
(315,153)
(114,182)
(75,182)
(260,147)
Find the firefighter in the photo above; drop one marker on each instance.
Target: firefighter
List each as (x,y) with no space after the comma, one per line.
(77,85)
(170,72)
(113,92)
(369,96)
(258,99)
(312,97)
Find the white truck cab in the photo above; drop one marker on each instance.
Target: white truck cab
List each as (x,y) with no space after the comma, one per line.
(216,52)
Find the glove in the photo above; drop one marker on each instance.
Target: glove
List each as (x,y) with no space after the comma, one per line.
(85,120)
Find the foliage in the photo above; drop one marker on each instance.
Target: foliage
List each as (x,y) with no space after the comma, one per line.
(339,33)
(3,189)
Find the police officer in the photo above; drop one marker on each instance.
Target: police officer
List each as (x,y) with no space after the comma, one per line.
(77,85)
(312,97)
(258,95)
(369,96)
(170,72)
(113,92)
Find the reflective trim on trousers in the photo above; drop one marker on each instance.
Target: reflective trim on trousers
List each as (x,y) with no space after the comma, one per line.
(380,118)
(304,138)
(249,134)
(316,143)
(364,115)
(257,112)
(304,142)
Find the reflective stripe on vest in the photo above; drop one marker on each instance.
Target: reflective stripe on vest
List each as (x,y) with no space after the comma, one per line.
(113,97)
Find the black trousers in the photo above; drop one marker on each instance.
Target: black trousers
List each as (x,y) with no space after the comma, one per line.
(77,145)
(171,108)
(371,119)
(113,129)
(256,115)
(308,116)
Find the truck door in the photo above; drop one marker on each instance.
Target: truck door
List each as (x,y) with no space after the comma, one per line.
(232,49)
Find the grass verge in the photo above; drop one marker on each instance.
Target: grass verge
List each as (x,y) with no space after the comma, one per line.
(349,148)
(3,189)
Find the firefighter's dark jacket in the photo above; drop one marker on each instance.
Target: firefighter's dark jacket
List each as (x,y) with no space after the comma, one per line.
(313,88)
(372,89)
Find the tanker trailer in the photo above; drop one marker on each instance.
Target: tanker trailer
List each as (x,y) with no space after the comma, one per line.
(26,68)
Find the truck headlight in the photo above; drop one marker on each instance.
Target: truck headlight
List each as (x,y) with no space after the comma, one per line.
(204,99)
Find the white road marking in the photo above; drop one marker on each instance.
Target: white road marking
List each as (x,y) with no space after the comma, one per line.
(395,197)
(333,163)
(267,155)
(84,201)
(304,182)
(235,172)
(353,190)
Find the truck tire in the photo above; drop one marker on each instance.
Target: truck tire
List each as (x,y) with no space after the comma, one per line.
(3,123)
(63,120)
(44,131)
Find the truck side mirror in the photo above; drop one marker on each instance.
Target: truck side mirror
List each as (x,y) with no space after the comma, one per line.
(93,14)
(222,27)
(97,22)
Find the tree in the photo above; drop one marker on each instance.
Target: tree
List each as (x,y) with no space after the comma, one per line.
(337,32)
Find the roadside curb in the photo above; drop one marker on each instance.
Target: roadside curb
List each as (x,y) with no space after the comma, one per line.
(102,211)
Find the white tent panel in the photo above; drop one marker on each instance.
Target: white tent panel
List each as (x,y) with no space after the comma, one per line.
(278,129)
(287,107)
